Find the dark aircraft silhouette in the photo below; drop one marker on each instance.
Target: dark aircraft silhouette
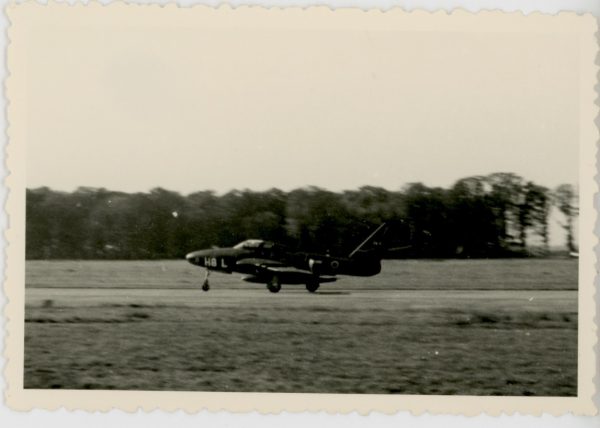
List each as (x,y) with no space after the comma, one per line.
(272,264)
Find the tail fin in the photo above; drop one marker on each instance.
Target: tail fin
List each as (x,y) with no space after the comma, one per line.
(366,241)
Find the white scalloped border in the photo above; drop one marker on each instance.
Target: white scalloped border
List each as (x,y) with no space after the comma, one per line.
(132,401)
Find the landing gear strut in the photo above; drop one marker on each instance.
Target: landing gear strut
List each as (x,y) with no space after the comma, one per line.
(205,284)
(274,285)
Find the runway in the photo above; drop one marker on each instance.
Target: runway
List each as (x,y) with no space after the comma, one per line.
(297,297)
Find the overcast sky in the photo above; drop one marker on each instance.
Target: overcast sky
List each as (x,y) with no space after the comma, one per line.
(190,109)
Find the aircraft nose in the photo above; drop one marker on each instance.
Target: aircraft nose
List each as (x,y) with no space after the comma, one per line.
(196,257)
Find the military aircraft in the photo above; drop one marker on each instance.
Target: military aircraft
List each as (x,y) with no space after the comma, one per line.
(272,264)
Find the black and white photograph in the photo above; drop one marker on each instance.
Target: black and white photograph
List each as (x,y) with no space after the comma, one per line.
(242,200)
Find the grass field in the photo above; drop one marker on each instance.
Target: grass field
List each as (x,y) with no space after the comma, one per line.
(480,327)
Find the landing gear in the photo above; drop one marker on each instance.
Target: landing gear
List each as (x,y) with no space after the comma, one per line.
(312,285)
(274,285)
(205,284)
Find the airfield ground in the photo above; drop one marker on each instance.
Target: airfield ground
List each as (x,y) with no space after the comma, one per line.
(480,327)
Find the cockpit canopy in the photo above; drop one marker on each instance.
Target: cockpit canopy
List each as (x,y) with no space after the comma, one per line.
(250,244)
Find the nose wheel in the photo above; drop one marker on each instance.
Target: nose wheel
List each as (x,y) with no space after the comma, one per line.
(205,284)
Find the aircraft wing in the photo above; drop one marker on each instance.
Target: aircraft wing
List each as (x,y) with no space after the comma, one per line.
(262,269)
(286,269)
(259,263)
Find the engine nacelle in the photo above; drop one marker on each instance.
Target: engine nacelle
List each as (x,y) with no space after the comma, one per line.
(328,266)
(315,266)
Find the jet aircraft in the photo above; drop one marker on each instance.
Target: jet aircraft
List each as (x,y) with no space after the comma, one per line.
(272,264)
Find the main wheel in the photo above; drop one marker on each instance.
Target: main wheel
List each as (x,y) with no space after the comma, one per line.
(312,285)
(274,285)
(205,286)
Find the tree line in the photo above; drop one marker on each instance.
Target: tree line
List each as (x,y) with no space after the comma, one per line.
(497,215)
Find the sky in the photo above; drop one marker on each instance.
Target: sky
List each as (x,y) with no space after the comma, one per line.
(132,107)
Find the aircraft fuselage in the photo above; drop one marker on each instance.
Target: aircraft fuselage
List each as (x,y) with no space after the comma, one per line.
(227,260)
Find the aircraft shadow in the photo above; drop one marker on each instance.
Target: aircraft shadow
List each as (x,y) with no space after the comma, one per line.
(345,293)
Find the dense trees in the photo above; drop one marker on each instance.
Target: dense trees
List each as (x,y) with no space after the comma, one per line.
(565,199)
(482,216)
